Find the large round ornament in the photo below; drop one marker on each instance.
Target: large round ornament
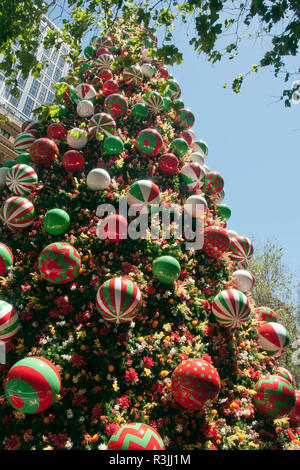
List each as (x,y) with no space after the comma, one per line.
(219,198)
(72,160)
(174,90)
(224,212)
(9,321)
(116,105)
(231,308)
(154,103)
(273,338)
(241,249)
(282,372)
(243,280)
(105,74)
(101,123)
(23,142)
(265,314)
(113,228)
(275,397)
(98,179)
(104,62)
(195,206)
(59,263)
(31,127)
(149,142)
(118,300)
(43,151)
(232,234)
(56,221)
(32,384)
(9,163)
(216,241)
(21,179)
(113,145)
(85,91)
(133,76)
(140,111)
(185,118)
(110,87)
(85,108)
(166,269)
(168,163)
(142,194)
(195,384)
(147,70)
(17,213)
(196,157)
(295,413)
(200,146)
(136,436)
(179,147)
(77,138)
(57,132)
(6,259)
(214,183)
(193,176)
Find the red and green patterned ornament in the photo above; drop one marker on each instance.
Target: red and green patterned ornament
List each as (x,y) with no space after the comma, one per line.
(185,118)
(142,194)
(282,372)
(224,212)
(216,241)
(136,436)
(214,183)
(101,123)
(174,90)
(17,213)
(149,142)
(59,263)
(179,147)
(275,397)
(104,62)
(200,146)
(295,413)
(154,103)
(21,179)
(265,314)
(133,76)
(31,127)
(118,300)
(23,142)
(32,385)
(116,105)
(273,338)
(231,308)
(241,249)
(85,91)
(6,259)
(43,151)
(9,321)
(195,384)
(193,176)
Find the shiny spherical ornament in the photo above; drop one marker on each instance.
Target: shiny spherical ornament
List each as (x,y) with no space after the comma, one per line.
(104,61)
(85,108)
(154,103)
(140,111)
(187,137)
(72,161)
(57,131)
(231,308)
(113,145)
(163,72)
(220,197)
(43,152)
(282,372)
(32,127)
(116,105)
(232,234)
(113,228)
(105,75)
(24,158)
(133,76)
(167,103)
(56,221)
(147,70)
(9,321)
(21,179)
(295,413)
(243,280)
(241,249)
(102,50)
(32,385)
(179,147)
(185,118)
(195,384)
(62,111)
(149,142)
(216,241)
(214,183)
(3,173)
(59,263)
(275,397)
(9,163)
(110,87)
(77,138)
(166,269)
(196,157)
(265,314)
(98,179)
(23,142)
(69,95)
(201,147)
(17,213)
(136,436)
(174,89)
(178,105)
(89,52)
(118,300)
(146,57)
(195,206)
(168,164)
(142,194)
(6,259)
(273,338)
(224,212)
(85,91)
(193,176)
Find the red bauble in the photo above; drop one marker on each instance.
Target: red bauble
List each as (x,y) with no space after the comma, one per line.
(101,51)
(164,73)
(295,413)
(72,161)
(57,131)
(113,228)
(187,137)
(43,151)
(168,163)
(216,241)
(105,75)
(110,87)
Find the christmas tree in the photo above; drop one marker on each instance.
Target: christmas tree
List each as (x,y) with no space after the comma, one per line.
(116,338)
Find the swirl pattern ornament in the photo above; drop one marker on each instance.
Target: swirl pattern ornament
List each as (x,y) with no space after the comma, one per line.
(9,321)
(21,179)
(231,308)
(17,213)
(101,123)
(133,76)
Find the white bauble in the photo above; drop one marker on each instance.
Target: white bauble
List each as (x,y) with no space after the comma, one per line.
(197,158)
(244,280)
(147,70)
(191,133)
(77,138)
(193,202)
(206,169)
(3,173)
(145,57)
(198,148)
(85,108)
(98,179)
(231,234)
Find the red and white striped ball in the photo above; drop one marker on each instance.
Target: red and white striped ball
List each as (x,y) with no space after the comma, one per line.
(243,280)
(273,338)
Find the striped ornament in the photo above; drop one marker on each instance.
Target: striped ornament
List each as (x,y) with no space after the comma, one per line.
(32,384)
(201,147)
(6,259)
(265,314)
(59,263)
(85,91)
(104,62)
(118,300)
(273,338)
(23,142)
(30,127)
(133,76)
(142,194)
(174,90)
(155,103)
(275,397)
(214,183)
(193,176)
(241,249)
(101,123)
(21,179)
(9,321)
(136,436)
(282,372)
(17,213)
(231,308)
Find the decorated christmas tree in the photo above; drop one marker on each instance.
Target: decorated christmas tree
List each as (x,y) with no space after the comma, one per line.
(116,338)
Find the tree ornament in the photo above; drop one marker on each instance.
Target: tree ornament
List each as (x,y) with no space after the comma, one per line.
(9,322)
(224,212)
(163,72)
(59,263)
(167,103)
(265,314)
(200,146)
(104,62)
(154,103)
(295,413)
(273,338)
(43,152)
(166,269)
(214,183)
(17,213)
(101,123)
(137,436)
(113,145)
(21,179)
(196,157)
(69,95)
(118,300)
(9,164)
(231,308)
(219,198)
(105,74)
(72,161)
(145,57)
(275,397)
(113,228)
(85,108)
(57,132)
(110,87)
(140,111)
(85,91)
(216,241)
(116,105)
(89,52)
(142,194)
(195,384)
(243,280)
(6,259)
(193,203)
(77,138)
(56,221)
(174,90)
(168,163)
(241,249)
(185,118)
(282,372)
(24,158)
(147,70)
(31,127)
(32,385)
(193,176)
(149,142)
(133,76)
(179,147)
(232,234)
(23,142)
(98,179)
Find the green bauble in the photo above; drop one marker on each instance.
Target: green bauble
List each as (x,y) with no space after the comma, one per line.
(113,145)
(9,163)
(62,110)
(24,158)
(179,147)
(166,269)
(83,67)
(88,51)
(56,221)
(224,211)
(140,111)
(167,103)
(178,104)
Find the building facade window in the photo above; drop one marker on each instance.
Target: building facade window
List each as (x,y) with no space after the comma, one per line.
(28,107)
(35,86)
(5,133)
(15,101)
(50,97)
(42,94)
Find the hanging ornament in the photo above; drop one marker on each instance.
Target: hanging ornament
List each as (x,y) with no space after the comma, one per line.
(31,127)
(166,269)
(77,138)
(57,132)
(17,213)
(85,91)
(140,111)
(105,75)
(187,137)
(275,397)
(85,108)
(89,52)
(59,263)
(185,118)
(193,176)
(231,308)
(167,103)
(232,234)
(104,62)
(6,259)
(295,413)
(241,249)
(265,314)
(9,322)
(168,163)
(149,142)
(21,179)
(113,145)
(163,72)
(273,338)
(116,105)
(118,300)
(101,123)
(179,147)
(219,198)
(133,76)
(195,206)
(200,146)
(224,212)
(142,194)
(195,384)
(216,241)
(197,158)
(69,95)
(136,436)
(23,142)
(32,385)
(56,221)
(282,372)
(174,90)
(154,103)
(113,228)
(98,179)
(110,87)
(214,183)
(243,280)
(145,57)
(72,161)
(147,70)
(102,50)
(43,152)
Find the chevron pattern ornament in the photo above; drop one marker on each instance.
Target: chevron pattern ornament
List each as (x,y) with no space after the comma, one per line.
(265,314)
(275,397)
(214,183)
(137,436)
(59,263)
(282,372)
(133,76)
(17,213)
(231,308)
